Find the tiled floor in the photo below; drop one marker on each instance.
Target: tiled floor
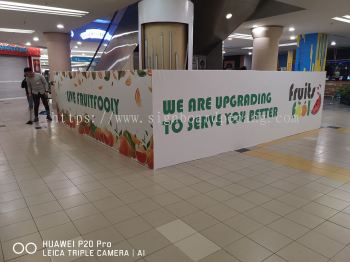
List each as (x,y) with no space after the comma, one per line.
(288,200)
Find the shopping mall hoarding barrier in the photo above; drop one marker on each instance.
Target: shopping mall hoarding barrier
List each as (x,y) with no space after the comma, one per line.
(111,107)
(190,114)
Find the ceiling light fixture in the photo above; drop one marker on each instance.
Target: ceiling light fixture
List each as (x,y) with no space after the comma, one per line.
(229,39)
(342,19)
(229,16)
(241,36)
(28,44)
(42,9)
(333,43)
(288,44)
(293,37)
(19,31)
(36,39)
(291,29)
(76,47)
(250,53)
(281,45)
(60,26)
(79,43)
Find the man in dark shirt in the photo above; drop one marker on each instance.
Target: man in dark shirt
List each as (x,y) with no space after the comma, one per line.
(30,101)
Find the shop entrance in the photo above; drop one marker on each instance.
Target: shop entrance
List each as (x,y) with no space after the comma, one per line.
(11,76)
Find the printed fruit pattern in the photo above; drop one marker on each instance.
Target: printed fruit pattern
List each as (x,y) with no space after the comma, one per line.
(127,143)
(128,81)
(150,154)
(141,155)
(104,136)
(131,146)
(66,118)
(138,97)
(317,105)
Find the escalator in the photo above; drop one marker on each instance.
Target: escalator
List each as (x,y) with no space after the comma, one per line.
(211,28)
(121,52)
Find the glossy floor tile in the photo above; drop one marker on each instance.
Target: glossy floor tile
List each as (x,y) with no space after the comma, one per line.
(288,200)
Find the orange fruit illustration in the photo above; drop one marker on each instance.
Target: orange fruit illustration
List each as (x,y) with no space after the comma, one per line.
(128,81)
(141,155)
(124,147)
(150,158)
(138,97)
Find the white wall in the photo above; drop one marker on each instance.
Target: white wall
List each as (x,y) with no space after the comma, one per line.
(187,145)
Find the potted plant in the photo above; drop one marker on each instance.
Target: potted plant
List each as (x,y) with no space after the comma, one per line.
(345,96)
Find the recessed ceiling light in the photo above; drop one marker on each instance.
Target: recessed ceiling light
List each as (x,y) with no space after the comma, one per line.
(291,29)
(241,36)
(333,43)
(230,38)
(28,43)
(229,16)
(19,31)
(250,53)
(341,19)
(224,52)
(60,26)
(79,43)
(293,37)
(36,39)
(42,9)
(76,47)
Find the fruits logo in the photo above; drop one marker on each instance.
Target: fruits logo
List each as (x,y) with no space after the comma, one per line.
(304,97)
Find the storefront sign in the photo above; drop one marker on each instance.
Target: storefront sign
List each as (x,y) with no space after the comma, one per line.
(95,34)
(16,50)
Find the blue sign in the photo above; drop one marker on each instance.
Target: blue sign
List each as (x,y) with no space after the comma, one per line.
(93,32)
(81,59)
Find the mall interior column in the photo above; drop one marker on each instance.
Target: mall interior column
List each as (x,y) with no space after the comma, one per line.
(311,53)
(58,49)
(265,47)
(166,34)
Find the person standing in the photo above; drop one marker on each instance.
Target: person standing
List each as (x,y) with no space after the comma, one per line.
(37,88)
(30,101)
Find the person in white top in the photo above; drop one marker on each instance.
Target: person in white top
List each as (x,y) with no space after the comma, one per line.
(38,88)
